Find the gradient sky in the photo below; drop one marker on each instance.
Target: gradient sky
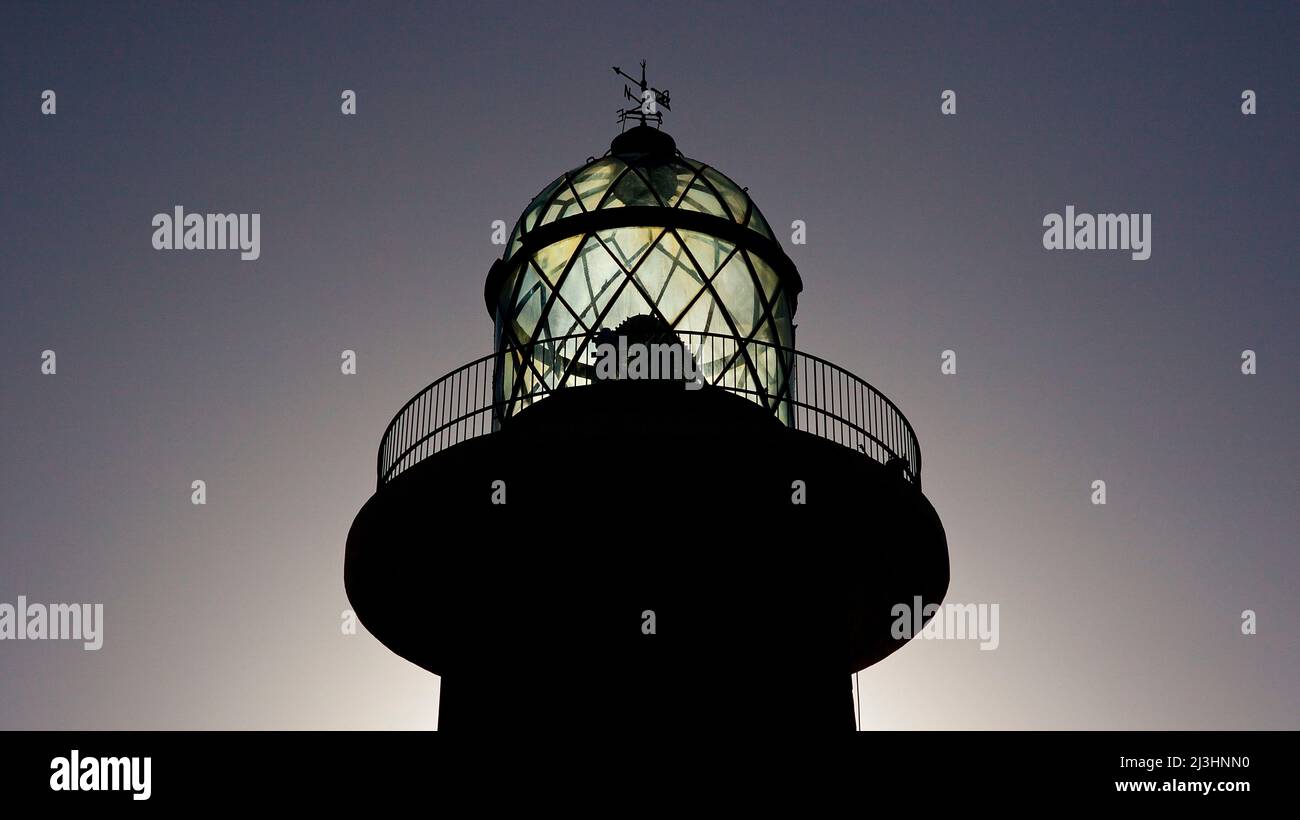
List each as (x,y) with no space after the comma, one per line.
(924,234)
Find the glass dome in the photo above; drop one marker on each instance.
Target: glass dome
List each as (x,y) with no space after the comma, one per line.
(614,182)
(642,231)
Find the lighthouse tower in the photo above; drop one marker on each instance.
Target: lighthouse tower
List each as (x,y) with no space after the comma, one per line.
(645,508)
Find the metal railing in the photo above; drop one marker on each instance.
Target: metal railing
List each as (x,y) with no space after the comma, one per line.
(803,391)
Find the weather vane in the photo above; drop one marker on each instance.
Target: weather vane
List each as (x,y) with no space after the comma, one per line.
(649,99)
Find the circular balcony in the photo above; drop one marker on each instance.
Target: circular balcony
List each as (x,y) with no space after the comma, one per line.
(810,394)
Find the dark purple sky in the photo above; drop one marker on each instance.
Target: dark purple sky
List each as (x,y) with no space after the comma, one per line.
(924,234)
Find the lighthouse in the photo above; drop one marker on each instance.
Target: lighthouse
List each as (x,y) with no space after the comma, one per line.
(645,509)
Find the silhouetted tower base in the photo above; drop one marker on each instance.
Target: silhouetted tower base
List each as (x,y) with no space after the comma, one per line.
(532,610)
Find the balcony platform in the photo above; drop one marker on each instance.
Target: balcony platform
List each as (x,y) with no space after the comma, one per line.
(635,496)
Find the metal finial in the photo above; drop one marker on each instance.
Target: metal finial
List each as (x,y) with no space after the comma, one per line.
(648,99)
